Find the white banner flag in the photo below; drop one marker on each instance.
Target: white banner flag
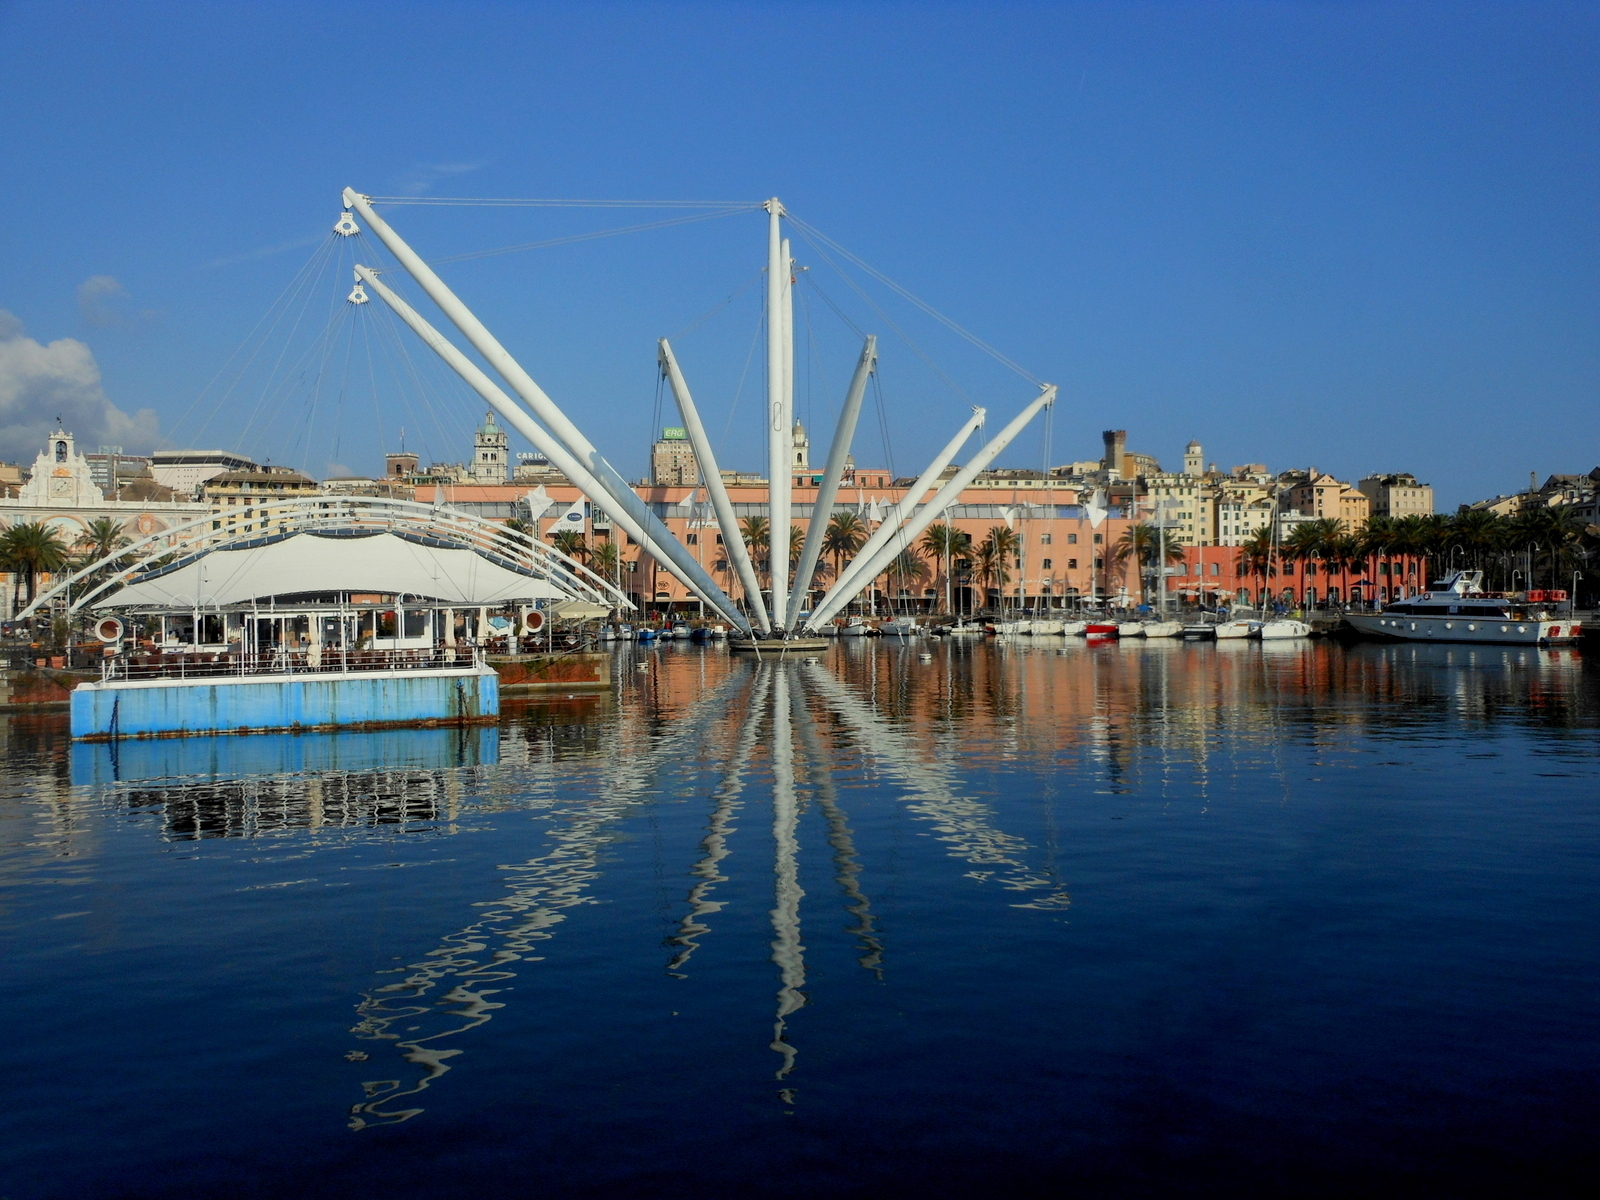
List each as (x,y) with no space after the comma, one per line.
(1095,508)
(571,519)
(1010,514)
(538,502)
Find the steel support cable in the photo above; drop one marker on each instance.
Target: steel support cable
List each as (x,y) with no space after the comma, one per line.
(489,202)
(715,309)
(390,324)
(582,237)
(889,321)
(281,300)
(920,303)
(727,425)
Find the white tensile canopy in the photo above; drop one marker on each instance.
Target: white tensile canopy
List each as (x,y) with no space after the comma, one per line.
(303,563)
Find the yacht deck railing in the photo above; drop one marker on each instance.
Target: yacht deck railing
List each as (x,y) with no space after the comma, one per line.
(203,664)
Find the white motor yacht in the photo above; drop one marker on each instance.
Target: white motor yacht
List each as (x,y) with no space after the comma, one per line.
(1459,610)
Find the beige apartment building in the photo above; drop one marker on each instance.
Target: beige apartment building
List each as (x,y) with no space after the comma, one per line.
(1319,495)
(1397,495)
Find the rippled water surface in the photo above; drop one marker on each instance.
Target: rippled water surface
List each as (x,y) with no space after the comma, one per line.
(1150,919)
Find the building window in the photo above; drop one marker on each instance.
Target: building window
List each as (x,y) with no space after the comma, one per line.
(692,539)
(1099,564)
(1072,539)
(1046,565)
(1216,568)
(1099,538)
(1044,539)
(61,452)
(1072,564)
(719,539)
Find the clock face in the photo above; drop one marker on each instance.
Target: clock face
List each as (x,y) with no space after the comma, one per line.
(61,487)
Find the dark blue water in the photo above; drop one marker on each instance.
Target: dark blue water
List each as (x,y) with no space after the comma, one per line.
(1146,920)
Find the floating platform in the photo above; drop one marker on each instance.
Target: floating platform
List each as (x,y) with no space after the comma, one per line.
(178,707)
(810,645)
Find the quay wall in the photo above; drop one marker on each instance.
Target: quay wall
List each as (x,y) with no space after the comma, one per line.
(246,704)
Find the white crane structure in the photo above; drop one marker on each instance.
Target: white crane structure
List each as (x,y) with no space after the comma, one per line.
(780,614)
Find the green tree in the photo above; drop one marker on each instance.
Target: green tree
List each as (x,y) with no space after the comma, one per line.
(905,572)
(945,543)
(571,543)
(1142,544)
(30,550)
(845,534)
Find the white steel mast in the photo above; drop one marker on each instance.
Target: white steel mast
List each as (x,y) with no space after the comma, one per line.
(664,547)
(517,417)
(838,453)
(869,569)
(779,435)
(732,540)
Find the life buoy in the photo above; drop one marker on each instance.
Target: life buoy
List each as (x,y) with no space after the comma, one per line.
(108,629)
(533,622)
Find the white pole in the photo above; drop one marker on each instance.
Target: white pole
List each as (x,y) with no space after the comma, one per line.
(732,539)
(562,429)
(564,461)
(778,436)
(838,452)
(896,516)
(842,591)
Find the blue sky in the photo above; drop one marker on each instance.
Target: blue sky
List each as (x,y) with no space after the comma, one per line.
(1356,236)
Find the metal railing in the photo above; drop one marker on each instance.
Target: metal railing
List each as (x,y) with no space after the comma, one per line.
(284,661)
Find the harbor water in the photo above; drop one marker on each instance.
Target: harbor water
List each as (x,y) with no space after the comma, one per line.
(957,918)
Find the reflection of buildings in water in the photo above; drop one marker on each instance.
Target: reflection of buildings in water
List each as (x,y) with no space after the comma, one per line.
(511,927)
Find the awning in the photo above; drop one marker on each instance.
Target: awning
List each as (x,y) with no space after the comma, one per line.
(307,563)
(577,610)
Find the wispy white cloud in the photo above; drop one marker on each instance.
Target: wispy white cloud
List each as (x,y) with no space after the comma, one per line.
(42,383)
(105,304)
(421,178)
(263,252)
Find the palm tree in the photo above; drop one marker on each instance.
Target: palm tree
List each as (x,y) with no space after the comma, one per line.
(757,534)
(988,568)
(571,543)
(1142,543)
(30,550)
(843,537)
(605,559)
(1257,557)
(946,542)
(905,571)
(1007,545)
(102,538)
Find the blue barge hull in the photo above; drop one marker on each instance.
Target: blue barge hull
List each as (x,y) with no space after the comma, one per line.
(143,708)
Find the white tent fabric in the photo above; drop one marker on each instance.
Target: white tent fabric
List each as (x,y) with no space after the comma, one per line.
(380,563)
(578,610)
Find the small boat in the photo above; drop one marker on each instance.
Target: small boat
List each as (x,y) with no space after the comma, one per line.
(648,634)
(854,627)
(1129,629)
(899,627)
(1242,628)
(700,633)
(1193,633)
(719,631)
(1073,628)
(1048,628)
(968,630)
(1163,629)
(1101,629)
(1010,627)
(1283,627)
(680,631)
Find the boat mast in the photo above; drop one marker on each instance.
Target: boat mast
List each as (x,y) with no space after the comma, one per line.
(779,420)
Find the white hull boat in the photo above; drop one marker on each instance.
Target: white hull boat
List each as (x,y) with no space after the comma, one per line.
(1237,629)
(1460,611)
(1163,629)
(1282,628)
(1073,628)
(1130,629)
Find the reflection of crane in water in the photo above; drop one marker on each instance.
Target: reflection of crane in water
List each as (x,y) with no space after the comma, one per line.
(511,927)
(451,990)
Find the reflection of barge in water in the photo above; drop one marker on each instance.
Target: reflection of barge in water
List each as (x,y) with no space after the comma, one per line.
(1459,610)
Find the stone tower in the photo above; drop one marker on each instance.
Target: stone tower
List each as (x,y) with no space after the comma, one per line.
(802,448)
(1193,459)
(490,458)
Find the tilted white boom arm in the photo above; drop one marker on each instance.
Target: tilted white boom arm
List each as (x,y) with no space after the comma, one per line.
(665,548)
(871,568)
(848,584)
(732,539)
(838,453)
(517,417)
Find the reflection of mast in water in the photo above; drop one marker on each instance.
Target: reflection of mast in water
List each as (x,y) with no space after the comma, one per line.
(540,890)
(847,867)
(715,844)
(962,824)
(787,952)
